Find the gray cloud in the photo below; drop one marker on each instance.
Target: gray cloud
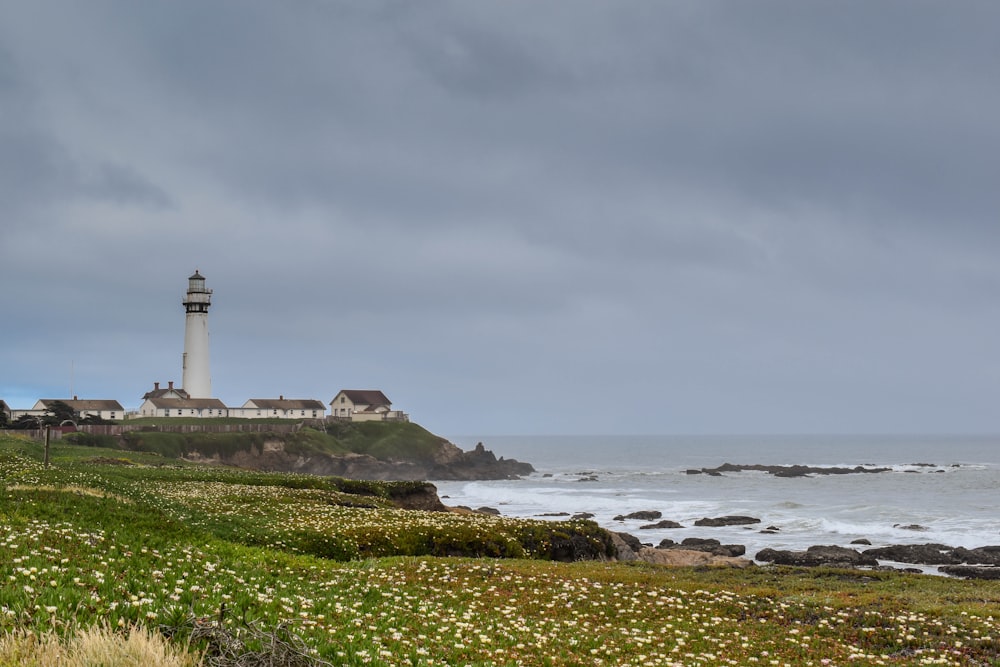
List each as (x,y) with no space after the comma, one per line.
(697,217)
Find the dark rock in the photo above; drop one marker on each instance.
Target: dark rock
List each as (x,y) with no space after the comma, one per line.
(820,555)
(978,556)
(631,540)
(488,510)
(700,542)
(665,523)
(624,551)
(582,515)
(792,470)
(714,547)
(971,571)
(733,550)
(711,546)
(921,554)
(648,515)
(912,526)
(592,478)
(548,474)
(862,541)
(578,547)
(727,521)
(692,471)
(417,497)
(553,514)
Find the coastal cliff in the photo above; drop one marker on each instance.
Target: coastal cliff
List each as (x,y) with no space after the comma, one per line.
(451,463)
(401,451)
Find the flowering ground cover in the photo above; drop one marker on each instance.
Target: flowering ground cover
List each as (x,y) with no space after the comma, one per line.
(84,544)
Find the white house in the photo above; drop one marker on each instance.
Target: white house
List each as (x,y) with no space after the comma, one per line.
(103,408)
(280,408)
(183,407)
(364,405)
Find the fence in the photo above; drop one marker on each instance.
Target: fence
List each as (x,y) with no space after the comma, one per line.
(56,432)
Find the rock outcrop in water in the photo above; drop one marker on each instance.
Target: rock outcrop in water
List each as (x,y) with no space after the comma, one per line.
(937,554)
(727,521)
(819,555)
(785,471)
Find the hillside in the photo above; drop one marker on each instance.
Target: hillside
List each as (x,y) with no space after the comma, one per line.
(237,566)
(365,450)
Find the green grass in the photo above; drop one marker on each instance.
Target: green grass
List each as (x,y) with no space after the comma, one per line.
(124,539)
(387,440)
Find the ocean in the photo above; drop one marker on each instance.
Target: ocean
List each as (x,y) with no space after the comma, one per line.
(941,489)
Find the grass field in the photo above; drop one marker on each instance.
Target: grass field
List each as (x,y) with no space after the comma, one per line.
(129,541)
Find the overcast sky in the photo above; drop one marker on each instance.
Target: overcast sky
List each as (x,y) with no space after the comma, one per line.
(513,217)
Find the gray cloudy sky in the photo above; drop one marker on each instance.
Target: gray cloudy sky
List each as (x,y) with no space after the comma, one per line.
(512,216)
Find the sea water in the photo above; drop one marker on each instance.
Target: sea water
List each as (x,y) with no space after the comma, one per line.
(942,489)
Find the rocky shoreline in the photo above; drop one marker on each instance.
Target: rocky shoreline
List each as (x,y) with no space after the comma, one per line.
(977,563)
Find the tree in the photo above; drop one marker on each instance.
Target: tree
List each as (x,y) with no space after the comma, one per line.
(3,419)
(95,419)
(26,423)
(58,412)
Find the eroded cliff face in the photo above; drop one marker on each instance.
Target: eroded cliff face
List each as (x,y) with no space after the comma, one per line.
(451,463)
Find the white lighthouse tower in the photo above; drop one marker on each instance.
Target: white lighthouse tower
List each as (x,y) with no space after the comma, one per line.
(196,380)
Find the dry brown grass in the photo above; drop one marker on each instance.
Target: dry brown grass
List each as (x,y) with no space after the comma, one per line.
(94,647)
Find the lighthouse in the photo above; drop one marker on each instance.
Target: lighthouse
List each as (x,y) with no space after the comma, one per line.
(196,379)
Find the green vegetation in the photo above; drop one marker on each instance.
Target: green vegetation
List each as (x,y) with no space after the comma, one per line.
(135,542)
(386,441)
